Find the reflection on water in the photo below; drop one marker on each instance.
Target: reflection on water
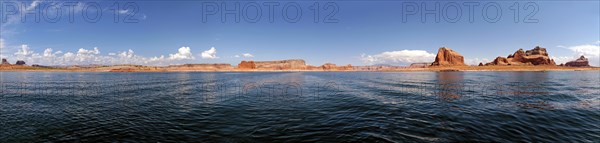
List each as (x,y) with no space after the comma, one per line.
(450,85)
(300,107)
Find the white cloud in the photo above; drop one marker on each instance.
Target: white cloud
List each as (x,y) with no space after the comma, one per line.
(32,6)
(68,55)
(48,53)
(182,54)
(85,56)
(124,11)
(155,59)
(16,19)
(210,53)
(24,51)
(81,57)
(592,52)
(127,54)
(84,51)
(476,61)
(248,55)
(399,57)
(587,50)
(562,60)
(245,55)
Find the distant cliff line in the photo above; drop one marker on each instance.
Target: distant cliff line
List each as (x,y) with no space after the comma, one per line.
(446,60)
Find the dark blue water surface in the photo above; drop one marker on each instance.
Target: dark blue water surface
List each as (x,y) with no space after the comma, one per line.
(300,107)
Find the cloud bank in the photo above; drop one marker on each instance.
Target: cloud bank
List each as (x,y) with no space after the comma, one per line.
(94,56)
(404,57)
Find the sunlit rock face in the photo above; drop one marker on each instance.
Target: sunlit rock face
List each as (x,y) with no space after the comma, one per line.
(535,56)
(334,67)
(296,64)
(246,65)
(581,62)
(448,57)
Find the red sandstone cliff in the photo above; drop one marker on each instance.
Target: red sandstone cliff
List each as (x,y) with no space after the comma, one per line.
(535,56)
(333,67)
(448,57)
(581,62)
(246,65)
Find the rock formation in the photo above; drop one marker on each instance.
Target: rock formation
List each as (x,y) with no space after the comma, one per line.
(346,67)
(5,62)
(123,70)
(379,68)
(333,67)
(419,65)
(448,57)
(289,65)
(499,61)
(246,65)
(20,62)
(200,67)
(581,62)
(535,56)
(273,65)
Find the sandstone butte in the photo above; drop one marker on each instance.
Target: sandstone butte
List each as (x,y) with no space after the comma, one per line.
(581,62)
(5,62)
(535,56)
(19,65)
(448,57)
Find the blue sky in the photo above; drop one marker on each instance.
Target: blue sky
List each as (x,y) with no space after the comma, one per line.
(359,32)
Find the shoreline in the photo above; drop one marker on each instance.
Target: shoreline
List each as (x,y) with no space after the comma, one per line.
(126,69)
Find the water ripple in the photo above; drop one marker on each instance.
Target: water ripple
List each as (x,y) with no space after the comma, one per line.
(301,107)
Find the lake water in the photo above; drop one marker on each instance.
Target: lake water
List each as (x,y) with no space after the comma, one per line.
(300,106)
